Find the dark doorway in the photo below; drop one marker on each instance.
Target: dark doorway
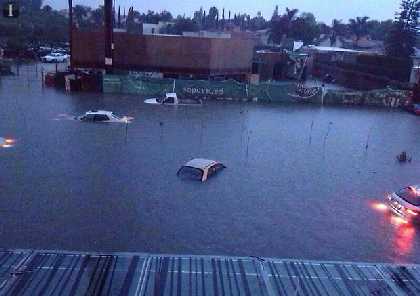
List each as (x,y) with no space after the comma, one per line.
(278,71)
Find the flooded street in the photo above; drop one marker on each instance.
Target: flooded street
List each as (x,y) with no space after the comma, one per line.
(301,181)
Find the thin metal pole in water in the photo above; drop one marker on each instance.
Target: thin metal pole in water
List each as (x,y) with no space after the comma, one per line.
(71,33)
(126,130)
(368,140)
(42,77)
(326,136)
(310,134)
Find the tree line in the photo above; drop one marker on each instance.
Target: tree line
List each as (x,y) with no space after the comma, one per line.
(41,24)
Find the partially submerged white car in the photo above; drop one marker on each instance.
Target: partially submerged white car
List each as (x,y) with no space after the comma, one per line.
(55,57)
(200,169)
(101,116)
(405,203)
(172,99)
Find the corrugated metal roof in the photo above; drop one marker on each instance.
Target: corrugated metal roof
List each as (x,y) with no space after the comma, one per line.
(68,273)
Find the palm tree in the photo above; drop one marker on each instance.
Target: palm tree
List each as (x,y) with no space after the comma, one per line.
(359,27)
(338,29)
(97,17)
(281,26)
(80,13)
(291,14)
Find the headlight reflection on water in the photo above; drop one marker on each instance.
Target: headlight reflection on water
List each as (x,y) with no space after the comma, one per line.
(7,142)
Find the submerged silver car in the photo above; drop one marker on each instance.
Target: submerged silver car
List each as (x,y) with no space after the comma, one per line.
(200,169)
(405,203)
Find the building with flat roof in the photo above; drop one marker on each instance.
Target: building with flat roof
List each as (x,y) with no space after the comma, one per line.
(229,56)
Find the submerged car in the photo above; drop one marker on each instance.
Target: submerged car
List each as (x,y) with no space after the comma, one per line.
(405,203)
(172,99)
(55,57)
(200,169)
(100,116)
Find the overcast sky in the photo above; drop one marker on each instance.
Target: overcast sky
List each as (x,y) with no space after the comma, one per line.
(324,10)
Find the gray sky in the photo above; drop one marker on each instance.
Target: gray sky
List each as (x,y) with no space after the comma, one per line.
(324,10)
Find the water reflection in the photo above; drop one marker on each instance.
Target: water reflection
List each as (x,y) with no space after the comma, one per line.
(404,235)
(379,206)
(6,142)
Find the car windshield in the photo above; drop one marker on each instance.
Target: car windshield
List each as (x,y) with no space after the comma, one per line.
(410,195)
(190,173)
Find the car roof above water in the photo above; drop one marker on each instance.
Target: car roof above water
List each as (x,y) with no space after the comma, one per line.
(200,163)
(99,112)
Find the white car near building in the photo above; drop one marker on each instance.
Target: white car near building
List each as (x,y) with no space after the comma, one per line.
(55,57)
(172,100)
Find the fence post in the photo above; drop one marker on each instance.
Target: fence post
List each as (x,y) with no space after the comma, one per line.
(42,77)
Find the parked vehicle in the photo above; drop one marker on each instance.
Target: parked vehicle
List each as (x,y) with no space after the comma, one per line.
(55,57)
(405,203)
(416,109)
(172,99)
(200,169)
(100,116)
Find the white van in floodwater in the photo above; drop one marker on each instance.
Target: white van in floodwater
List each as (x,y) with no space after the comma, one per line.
(172,99)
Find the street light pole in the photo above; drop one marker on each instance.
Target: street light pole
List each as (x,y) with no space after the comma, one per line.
(108,37)
(71,32)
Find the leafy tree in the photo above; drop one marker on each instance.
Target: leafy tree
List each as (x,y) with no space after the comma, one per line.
(212,18)
(183,24)
(338,28)
(280,26)
(257,23)
(80,14)
(304,28)
(165,16)
(199,16)
(377,30)
(359,27)
(47,9)
(401,39)
(33,27)
(97,16)
(132,26)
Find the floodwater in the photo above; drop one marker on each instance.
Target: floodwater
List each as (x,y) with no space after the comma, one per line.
(301,181)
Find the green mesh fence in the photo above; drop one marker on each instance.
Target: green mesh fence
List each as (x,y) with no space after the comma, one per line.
(380,97)
(281,92)
(228,90)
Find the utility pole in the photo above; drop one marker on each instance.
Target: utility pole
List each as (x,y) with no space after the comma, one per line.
(71,33)
(109,43)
